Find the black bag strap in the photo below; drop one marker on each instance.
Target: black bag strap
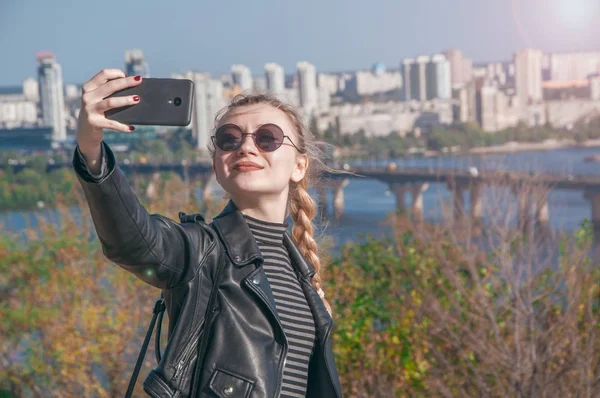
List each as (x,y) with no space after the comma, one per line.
(157,312)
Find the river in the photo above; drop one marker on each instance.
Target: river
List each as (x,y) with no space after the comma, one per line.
(368,202)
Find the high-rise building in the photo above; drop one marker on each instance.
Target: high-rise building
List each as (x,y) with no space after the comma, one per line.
(275,78)
(461,67)
(503,73)
(420,83)
(416,82)
(374,82)
(496,109)
(292,96)
(406,70)
(489,107)
(259,84)
(427,78)
(528,71)
(546,68)
(307,82)
(215,100)
(331,82)
(200,117)
(465,106)
(208,102)
(414,76)
(242,77)
(323,98)
(135,64)
(52,102)
(573,66)
(31,89)
(438,78)
(17,109)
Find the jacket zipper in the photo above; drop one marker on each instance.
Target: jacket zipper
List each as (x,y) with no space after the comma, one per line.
(281,366)
(189,349)
(187,352)
(202,352)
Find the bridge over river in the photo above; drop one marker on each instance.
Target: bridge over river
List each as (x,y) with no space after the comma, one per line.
(529,189)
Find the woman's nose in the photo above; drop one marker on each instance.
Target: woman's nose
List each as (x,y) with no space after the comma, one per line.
(247,144)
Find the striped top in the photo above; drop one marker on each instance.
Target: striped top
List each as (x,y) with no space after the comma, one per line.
(294,313)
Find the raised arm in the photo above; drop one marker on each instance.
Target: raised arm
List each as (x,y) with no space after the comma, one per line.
(154,248)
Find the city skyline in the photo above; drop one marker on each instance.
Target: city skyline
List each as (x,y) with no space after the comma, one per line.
(328,48)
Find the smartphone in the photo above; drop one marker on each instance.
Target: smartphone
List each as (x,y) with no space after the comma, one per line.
(163,102)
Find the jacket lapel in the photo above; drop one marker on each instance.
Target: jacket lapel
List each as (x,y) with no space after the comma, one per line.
(258,284)
(242,250)
(236,237)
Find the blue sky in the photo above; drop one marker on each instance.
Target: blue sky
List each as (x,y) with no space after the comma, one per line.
(210,36)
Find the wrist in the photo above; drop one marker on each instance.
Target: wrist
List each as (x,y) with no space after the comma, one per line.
(89,147)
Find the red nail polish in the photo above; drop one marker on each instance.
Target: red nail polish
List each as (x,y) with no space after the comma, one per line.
(131,128)
(137,78)
(136,98)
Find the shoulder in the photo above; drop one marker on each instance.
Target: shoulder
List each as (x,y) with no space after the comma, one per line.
(197,228)
(206,247)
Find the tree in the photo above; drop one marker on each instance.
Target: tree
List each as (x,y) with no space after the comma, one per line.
(426,313)
(72,322)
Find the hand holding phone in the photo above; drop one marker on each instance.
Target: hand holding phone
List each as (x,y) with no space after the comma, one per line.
(91,121)
(110,99)
(163,102)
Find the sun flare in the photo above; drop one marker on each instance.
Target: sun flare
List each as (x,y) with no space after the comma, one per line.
(576,12)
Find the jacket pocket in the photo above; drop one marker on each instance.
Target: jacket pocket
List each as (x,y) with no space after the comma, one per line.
(225,384)
(156,387)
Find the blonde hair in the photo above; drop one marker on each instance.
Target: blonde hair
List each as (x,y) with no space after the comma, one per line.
(301,206)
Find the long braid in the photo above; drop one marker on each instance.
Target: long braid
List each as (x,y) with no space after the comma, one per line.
(302,211)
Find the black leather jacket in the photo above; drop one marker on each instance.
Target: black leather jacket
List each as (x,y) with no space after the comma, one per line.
(245,343)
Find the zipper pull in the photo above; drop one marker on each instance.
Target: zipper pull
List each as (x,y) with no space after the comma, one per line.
(178,370)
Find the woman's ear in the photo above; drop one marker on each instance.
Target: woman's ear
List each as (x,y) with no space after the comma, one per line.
(300,168)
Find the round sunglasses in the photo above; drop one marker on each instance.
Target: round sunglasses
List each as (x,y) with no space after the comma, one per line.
(267,138)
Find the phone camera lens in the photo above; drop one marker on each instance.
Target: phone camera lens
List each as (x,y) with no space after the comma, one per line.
(177,101)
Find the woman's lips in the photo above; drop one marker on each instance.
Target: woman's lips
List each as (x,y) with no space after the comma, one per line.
(247,166)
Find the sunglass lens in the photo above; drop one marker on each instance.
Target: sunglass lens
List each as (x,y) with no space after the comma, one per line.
(269,138)
(228,138)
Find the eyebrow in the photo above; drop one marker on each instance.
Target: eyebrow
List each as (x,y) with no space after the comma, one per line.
(256,128)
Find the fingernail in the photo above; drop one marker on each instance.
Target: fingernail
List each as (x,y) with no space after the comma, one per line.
(136,98)
(131,128)
(137,78)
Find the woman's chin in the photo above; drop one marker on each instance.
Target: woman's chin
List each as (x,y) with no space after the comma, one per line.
(252,189)
(247,188)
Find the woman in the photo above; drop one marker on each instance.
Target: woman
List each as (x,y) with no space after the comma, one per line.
(266,330)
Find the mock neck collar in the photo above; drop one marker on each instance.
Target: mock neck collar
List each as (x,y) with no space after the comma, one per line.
(241,246)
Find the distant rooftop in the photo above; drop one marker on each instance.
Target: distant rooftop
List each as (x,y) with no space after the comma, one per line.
(557,84)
